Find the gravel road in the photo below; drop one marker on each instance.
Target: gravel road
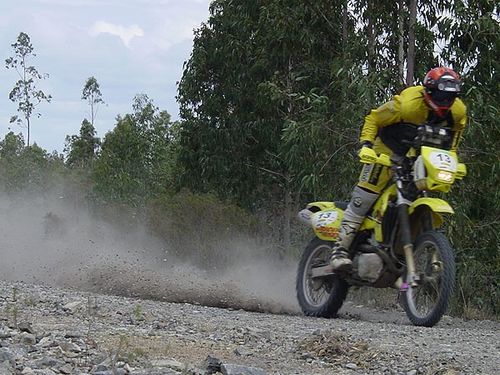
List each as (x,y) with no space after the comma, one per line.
(49,330)
(85,296)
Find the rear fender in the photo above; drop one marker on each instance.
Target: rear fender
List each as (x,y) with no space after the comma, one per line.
(324,218)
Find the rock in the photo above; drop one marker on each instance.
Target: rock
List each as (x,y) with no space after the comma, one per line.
(27,338)
(242,351)
(212,365)
(72,307)
(4,334)
(66,369)
(45,342)
(73,335)
(351,366)
(25,327)
(69,347)
(48,362)
(6,355)
(116,371)
(127,367)
(169,363)
(6,368)
(102,367)
(162,371)
(231,369)
(306,355)
(412,372)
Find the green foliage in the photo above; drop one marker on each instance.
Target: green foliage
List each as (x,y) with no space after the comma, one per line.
(259,71)
(25,91)
(133,164)
(81,150)
(27,168)
(473,47)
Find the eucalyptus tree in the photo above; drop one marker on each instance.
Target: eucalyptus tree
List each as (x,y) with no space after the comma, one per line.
(81,150)
(216,93)
(25,91)
(27,169)
(132,165)
(92,94)
(257,82)
(470,39)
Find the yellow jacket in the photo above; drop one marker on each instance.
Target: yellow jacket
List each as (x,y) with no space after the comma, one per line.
(410,107)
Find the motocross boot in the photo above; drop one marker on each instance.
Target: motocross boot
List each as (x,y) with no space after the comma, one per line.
(340,259)
(359,205)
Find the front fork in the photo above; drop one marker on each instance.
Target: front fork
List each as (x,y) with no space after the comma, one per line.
(405,233)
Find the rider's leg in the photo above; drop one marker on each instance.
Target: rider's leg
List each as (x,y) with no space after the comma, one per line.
(373,179)
(360,204)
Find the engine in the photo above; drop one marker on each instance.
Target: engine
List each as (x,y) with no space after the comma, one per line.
(369,266)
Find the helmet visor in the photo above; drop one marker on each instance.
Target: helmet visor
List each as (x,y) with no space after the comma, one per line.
(449,84)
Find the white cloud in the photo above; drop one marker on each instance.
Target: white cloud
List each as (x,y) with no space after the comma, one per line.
(126,34)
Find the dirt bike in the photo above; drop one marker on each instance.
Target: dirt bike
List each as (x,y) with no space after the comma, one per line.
(399,243)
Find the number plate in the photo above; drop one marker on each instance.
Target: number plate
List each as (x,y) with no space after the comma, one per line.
(443,161)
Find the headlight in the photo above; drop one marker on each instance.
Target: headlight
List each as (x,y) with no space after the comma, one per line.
(445,176)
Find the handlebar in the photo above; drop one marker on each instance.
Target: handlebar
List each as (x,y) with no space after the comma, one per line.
(412,136)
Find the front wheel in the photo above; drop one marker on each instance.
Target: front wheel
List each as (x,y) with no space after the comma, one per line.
(426,302)
(320,296)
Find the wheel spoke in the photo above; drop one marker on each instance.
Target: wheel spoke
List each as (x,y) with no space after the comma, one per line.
(424,297)
(317,289)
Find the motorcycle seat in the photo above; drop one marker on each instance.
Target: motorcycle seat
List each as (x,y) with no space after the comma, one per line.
(341,204)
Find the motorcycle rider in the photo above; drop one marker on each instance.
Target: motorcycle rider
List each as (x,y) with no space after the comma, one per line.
(434,102)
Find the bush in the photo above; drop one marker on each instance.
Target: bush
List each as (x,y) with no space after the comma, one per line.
(204,230)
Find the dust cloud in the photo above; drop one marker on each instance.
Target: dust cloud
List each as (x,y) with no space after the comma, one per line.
(49,240)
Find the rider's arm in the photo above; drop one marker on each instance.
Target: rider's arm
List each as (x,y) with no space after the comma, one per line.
(386,114)
(460,113)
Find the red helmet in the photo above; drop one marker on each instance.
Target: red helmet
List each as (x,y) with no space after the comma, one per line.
(442,86)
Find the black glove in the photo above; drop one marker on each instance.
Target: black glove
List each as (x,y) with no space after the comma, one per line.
(397,159)
(367,144)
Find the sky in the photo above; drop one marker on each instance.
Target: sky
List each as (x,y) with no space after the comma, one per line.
(130,46)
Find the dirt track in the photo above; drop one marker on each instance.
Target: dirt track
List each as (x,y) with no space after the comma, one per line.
(91,298)
(140,336)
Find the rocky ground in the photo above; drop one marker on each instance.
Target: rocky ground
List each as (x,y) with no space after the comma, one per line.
(47,330)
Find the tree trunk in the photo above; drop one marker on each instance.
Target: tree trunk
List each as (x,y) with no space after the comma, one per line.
(411,43)
(371,35)
(401,57)
(287,217)
(28,123)
(344,27)
(371,41)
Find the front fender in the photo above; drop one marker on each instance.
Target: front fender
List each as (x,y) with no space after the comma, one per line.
(436,206)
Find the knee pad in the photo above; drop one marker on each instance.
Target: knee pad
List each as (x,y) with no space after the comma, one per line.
(360,203)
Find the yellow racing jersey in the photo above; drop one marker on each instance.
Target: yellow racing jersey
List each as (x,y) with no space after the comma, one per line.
(410,107)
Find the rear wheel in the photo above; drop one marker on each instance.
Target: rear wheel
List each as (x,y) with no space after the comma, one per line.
(319,296)
(426,302)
